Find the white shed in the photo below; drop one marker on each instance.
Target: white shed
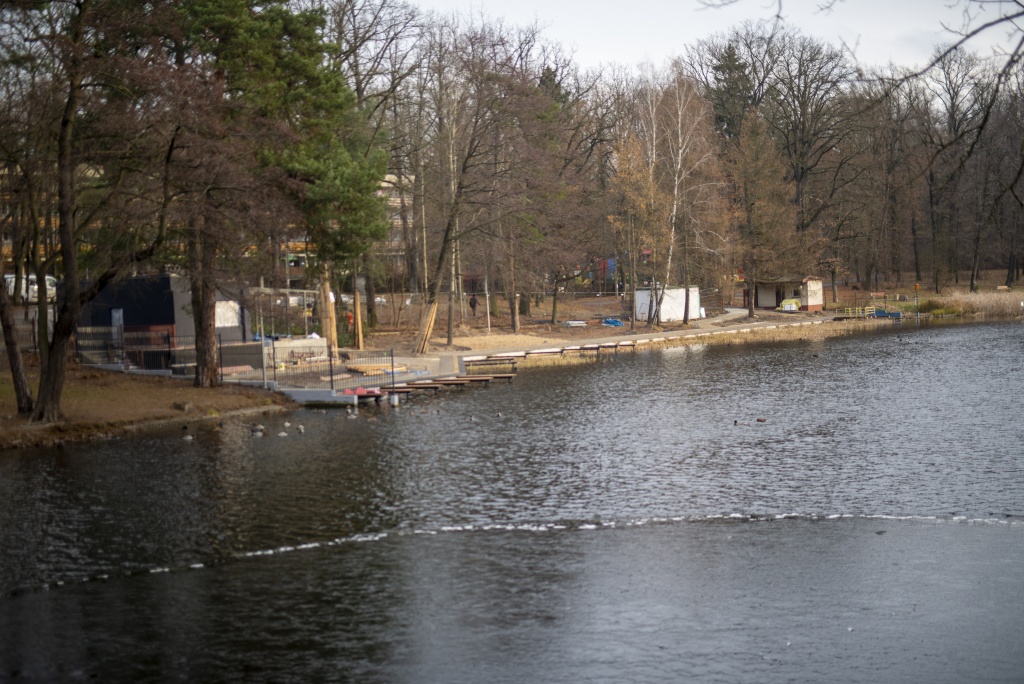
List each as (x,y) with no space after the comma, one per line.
(672,306)
(808,290)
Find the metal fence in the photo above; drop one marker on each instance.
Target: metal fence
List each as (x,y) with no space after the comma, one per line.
(153,351)
(292,364)
(314,368)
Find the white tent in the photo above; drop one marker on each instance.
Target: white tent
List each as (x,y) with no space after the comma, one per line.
(672,306)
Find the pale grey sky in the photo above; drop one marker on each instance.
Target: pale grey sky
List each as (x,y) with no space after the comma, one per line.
(633,31)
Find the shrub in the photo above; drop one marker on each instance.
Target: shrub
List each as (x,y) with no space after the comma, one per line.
(933,306)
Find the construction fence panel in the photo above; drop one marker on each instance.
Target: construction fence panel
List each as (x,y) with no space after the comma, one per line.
(314,368)
(290,364)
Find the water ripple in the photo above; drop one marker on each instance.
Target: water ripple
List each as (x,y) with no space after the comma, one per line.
(909,424)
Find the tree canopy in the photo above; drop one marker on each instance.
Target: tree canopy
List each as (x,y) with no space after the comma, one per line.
(431,154)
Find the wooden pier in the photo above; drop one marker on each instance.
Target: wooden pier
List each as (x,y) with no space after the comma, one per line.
(852,313)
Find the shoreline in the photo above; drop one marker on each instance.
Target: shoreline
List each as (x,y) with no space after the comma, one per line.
(171,403)
(717,330)
(100,405)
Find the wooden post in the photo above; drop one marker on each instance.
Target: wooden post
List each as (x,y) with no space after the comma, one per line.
(357,312)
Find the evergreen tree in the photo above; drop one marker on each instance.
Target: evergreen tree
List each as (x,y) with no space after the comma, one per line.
(731,93)
(272,62)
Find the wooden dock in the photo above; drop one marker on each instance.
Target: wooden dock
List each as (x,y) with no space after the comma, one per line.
(435,385)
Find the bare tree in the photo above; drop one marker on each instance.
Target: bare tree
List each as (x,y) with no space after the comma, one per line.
(809,117)
(468,69)
(769,247)
(92,51)
(689,148)
(666,160)
(375,48)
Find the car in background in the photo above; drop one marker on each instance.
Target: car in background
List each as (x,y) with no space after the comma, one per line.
(29,288)
(347,299)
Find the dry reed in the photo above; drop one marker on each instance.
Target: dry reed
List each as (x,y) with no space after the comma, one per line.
(1008,304)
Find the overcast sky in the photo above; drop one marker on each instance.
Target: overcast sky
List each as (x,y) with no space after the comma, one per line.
(633,31)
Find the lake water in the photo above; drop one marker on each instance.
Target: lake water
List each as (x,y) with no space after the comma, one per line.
(630,520)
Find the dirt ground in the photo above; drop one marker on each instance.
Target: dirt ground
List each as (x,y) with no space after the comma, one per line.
(397,329)
(536,334)
(100,403)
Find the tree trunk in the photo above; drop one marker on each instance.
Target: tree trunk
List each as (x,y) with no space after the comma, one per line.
(524,304)
(328,321)
(51,381)
(554,304)
(42,312)
(405,218)
(1011,266)
(686,285)
(42,325)
(202,251)
(933,210)
(434,288)
(557,283)
(752,290)
(952,248)
(22,390)
(51,384)
(975,263)
(511,290)
(451,305)
(634,260)
(410,239)
(917,250)
(799,180)
(371,295)
(204,311)
(652,304)
(656,318)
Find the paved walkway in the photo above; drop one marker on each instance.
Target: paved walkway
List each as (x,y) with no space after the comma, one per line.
(733,320)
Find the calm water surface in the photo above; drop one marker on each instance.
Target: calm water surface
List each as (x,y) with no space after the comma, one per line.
(626,521)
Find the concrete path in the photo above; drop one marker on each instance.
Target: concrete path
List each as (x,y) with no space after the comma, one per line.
(733,320)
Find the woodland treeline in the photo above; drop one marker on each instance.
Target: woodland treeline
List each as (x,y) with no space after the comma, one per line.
(423,152)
